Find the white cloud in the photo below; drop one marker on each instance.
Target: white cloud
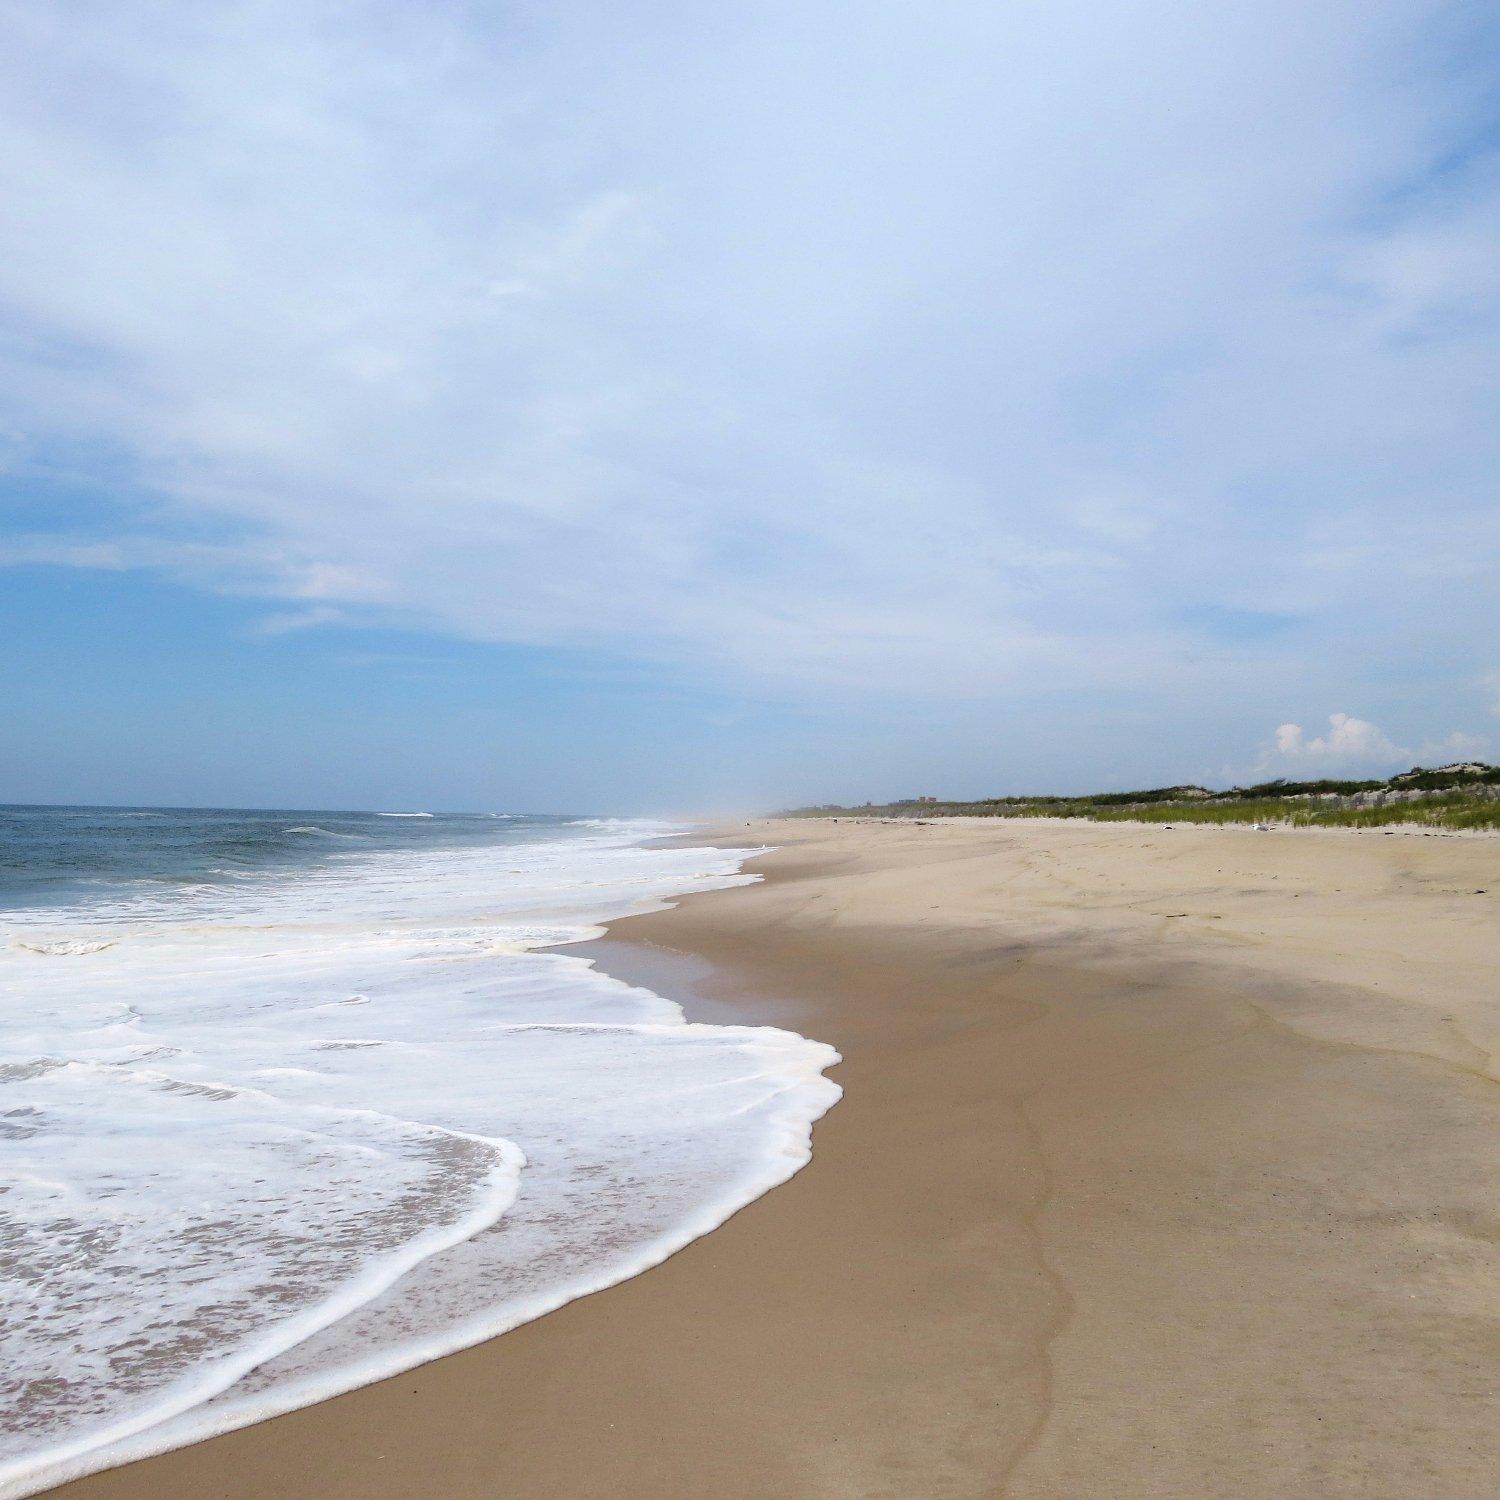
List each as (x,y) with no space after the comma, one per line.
(1350,742)
(62,552)
(288,622)
(1456,746)
(1347,739)
(947,355)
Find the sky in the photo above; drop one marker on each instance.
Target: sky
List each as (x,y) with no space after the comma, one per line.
(664,407)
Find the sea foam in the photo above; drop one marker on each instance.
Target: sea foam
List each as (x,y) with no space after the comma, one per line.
(268,1143)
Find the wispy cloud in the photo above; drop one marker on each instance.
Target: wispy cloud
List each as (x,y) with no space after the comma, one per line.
(62,552)
(954,352)
(1458,745)
(288,622)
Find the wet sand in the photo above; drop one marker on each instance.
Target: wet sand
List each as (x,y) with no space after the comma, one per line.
(1165,1167)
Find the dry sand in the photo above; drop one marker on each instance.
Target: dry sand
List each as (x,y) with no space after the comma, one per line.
(1166,1167)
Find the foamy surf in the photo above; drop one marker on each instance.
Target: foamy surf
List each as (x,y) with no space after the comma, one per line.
(275,1142)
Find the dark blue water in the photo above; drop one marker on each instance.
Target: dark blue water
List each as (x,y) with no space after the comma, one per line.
(59,855)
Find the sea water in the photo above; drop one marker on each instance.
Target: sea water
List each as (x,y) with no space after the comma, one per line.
(293,1101)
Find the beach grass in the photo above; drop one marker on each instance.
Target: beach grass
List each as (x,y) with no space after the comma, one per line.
(1434,812)
(1463,797)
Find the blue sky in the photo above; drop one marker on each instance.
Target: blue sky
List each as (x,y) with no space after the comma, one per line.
(664,407)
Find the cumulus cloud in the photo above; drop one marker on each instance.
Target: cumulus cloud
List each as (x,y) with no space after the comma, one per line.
(1351,741)
(1347,739)
(973,347)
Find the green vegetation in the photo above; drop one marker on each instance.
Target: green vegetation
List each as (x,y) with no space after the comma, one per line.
(1457,811)
(1458,796)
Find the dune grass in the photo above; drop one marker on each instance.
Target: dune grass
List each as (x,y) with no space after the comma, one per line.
(1432,812)
(1448,810)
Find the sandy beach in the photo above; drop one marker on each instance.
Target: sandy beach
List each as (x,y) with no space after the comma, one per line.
(1165,1167)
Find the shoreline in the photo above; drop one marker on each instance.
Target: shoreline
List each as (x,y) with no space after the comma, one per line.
(1118,1200)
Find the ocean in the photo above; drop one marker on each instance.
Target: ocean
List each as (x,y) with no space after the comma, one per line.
(292,1101)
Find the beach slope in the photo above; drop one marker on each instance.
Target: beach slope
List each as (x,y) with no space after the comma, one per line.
(1165,1167)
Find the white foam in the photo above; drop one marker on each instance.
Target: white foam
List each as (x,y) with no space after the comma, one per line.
(328,1087)
(64,947)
